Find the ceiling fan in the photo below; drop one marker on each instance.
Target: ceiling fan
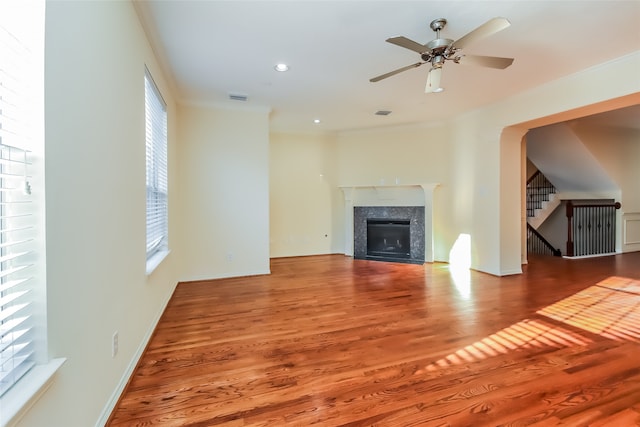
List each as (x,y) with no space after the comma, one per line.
(439,50)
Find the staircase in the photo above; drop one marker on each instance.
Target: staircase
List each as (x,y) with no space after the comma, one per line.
(542,200)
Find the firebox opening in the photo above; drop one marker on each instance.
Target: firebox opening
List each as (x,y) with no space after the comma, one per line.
(388,239)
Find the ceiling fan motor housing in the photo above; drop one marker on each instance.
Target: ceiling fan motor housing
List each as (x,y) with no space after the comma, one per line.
(439,51)
(439,45)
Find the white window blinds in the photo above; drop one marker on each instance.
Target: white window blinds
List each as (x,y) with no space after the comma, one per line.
(156,146)
(16,214)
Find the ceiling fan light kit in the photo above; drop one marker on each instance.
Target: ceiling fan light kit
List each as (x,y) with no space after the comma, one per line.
(433,81)
(439,50)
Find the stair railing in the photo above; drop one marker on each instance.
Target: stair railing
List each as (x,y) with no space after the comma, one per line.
(538,190)
(537,244)
(591,228)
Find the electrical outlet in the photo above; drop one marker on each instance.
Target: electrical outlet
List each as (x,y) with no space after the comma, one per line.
(230,256)
(114,344)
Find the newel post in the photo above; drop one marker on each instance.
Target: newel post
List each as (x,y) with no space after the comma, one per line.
(569,228)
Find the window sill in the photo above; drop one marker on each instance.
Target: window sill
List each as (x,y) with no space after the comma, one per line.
(155,260)
(22,396)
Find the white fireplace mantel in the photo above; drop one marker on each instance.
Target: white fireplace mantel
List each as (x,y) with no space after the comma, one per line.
(390,195)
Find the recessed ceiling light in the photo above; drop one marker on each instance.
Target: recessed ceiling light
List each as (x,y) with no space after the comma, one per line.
(281,67)
(316,121)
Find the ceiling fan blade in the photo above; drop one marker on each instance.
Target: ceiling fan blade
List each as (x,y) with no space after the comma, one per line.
(487,61)
(492,26)
(407,44)
(394,72)
(433,81)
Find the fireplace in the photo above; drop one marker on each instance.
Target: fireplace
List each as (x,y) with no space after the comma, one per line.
(388,239)
(389,233)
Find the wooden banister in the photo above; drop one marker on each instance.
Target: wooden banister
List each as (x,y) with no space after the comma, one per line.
(533,177)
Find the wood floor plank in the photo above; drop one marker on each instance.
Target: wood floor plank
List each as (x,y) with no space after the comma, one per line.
(328,340)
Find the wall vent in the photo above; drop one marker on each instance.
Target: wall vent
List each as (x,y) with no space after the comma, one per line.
(238,97)
(383,112)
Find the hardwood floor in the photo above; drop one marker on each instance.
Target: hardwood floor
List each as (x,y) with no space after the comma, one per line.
(328,340)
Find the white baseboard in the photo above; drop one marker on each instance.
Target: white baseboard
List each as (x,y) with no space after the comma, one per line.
(115,396)
(590,256)
(226,275)
(510,272)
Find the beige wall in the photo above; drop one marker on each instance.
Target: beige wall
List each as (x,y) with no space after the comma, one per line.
(95,198)
(223,192)
(302,183)
(618,153)
(563,99)
(404,155)
(95,177)
(301,199)
(219,191)
(395,155)
(477,160)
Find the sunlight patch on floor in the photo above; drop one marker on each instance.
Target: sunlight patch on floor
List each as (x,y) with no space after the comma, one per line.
(610,308)
(523,335)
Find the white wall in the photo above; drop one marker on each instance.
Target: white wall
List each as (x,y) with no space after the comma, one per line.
(618,153)
(512,164)
(224,192)
(563,157)
(95,198)
(301,190)
(612,154)
(569,97)
(402,155)
(481,151)
(219,191)
(394,156)
(477,160)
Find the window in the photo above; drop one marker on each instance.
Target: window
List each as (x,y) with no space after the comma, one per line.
(22,278)
(16,215)
(16,262)
(156,146)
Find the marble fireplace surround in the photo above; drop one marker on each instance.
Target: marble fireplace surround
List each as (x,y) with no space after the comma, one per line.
(415,216)
(407,195)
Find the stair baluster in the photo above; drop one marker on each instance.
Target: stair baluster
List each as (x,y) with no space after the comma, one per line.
(591,228)
(538,190)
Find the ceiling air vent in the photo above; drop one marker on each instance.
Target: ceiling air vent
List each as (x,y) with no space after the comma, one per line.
(237,97)
(383,112)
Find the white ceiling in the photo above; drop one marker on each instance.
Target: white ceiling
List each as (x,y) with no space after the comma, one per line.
(214,48)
